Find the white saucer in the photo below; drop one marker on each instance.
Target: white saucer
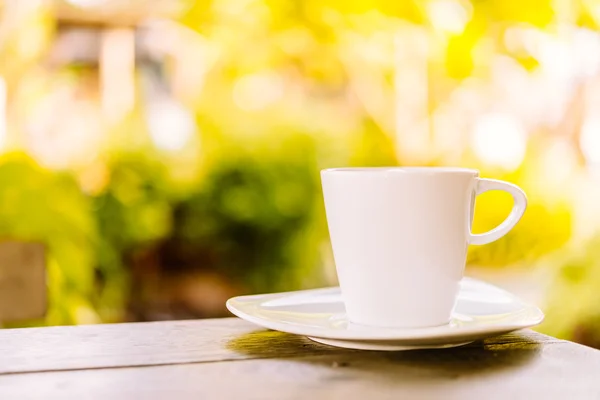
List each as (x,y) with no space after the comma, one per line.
(482,310)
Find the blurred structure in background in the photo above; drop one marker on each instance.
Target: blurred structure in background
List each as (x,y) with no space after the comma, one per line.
(167,152)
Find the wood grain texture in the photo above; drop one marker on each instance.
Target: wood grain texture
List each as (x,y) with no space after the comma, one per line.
(23,290)
(164,343)
(229,358)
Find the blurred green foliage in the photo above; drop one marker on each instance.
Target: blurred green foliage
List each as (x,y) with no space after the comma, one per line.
(242,197)
(38,205)
(572,310)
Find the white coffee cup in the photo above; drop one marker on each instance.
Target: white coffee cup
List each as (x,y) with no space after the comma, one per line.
(400,238)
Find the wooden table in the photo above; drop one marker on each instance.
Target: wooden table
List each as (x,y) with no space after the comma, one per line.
(229,358)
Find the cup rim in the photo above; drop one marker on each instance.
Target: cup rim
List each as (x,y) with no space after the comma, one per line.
(405,170)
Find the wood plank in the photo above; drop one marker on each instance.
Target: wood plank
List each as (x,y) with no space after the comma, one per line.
(160,343)
(23,290)
(513,367)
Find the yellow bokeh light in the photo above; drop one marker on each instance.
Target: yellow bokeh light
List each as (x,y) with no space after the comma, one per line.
(449,15)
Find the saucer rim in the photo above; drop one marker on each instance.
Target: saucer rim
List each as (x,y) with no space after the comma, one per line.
(374,345)
(534,316)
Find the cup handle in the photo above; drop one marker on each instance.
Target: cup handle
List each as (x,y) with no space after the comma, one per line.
(520,204)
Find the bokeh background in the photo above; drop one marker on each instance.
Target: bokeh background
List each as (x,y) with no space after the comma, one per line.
(167,151)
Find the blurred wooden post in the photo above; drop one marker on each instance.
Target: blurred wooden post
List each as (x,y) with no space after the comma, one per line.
(23,293)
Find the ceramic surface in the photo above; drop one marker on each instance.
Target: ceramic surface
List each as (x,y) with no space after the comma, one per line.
(400,239)
(482,310)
